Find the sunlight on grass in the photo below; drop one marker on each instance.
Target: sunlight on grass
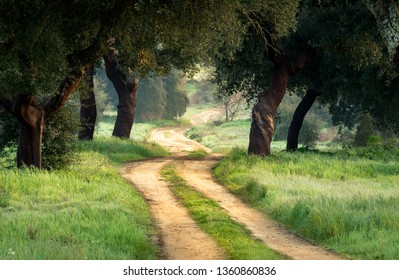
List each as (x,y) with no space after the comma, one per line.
(231,236)
(86,211)
(347,203)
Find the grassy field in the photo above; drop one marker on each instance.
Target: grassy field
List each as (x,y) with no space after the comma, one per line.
(221,138)
(86,211)
(232,237)
(347,200)
(140,131)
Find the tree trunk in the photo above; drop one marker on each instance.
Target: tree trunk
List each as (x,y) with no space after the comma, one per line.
(226,110)
(396,57)
(30,139)
(126,89)
(263,113)
(32,117)
(297,119)
(88,109)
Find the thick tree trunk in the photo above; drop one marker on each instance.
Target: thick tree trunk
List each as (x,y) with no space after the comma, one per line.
(32,117)
(30,139)
(126,89)
(88,109)
(297,119)
(263,113)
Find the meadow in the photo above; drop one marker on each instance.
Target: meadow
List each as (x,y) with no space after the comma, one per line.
(84,211)
(346,200)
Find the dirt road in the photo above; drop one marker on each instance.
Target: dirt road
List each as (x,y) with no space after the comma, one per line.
(180,237)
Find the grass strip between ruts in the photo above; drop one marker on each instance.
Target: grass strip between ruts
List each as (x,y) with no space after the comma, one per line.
(231,236)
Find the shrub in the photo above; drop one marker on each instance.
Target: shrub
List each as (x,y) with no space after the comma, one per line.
(59,135)
(59,139)
(365,130)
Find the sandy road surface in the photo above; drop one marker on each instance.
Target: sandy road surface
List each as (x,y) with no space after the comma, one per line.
(180,237)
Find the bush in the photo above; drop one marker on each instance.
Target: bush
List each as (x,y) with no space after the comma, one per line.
(365,130)
(60,139)
(161,98)
(59,135)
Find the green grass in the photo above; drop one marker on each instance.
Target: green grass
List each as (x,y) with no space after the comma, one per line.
(223,137)
(231,236)
(197,154)
(346,200)
(121,151)
(86,211)
(140,131)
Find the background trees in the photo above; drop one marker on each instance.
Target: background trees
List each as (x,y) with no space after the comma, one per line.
(258,46)
(45,45)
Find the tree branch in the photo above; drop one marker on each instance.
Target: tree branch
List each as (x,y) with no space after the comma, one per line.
(301,61)
(52,104)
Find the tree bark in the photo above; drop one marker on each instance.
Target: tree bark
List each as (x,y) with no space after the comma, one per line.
(88,109)
(297,119)
(32,117)
(264,111)
(126,89)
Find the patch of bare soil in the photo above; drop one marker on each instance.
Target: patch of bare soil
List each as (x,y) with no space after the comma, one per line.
(207,116)
(180,237)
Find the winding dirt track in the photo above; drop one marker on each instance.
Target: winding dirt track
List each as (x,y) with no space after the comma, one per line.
(180,237)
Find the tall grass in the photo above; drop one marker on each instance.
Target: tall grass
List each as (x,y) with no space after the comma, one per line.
(121,151)
(346,200)
(86,211)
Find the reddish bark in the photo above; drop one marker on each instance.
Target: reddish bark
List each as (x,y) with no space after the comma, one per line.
(263,113)
(126,89)
(88,108)
(32,117)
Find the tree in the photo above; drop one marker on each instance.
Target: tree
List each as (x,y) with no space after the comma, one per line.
(161,97)
(348,61)
(46,45)
(126,87)
(176,100)
(387,17)
(88,109)
(297,119)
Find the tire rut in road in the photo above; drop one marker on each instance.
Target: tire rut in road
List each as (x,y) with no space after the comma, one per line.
(198,175)
(181,238)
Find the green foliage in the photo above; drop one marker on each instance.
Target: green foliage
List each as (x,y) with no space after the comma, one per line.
(151,100)
(365,130)
(314,121)
(345,200)
(176,97)
(231,236)
(161,98)
(60,138)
